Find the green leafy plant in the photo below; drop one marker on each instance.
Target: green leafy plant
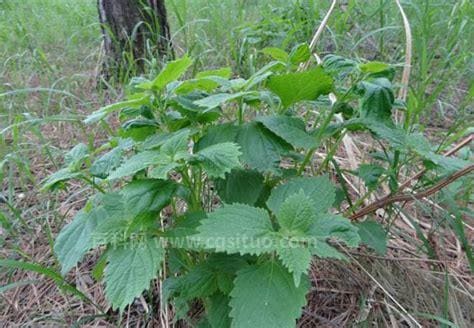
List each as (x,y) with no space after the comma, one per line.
(211,180)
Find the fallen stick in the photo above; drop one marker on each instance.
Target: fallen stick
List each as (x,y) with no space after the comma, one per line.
(390,199)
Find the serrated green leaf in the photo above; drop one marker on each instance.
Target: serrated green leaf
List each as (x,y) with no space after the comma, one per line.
(163,169)
(296,258)
(181,234)
(370,173)
(199,282)
(415,142)
(373,235)
(171,72)
(290,129)
(300,53)
(295,87)
(217,134)
(147,195)
(130,269)
(104,111)
(156,140)
(76,155)
(338,65)
(373,67)
(265,296)
(276,54)
(236,228)
(207,278)
(296,214)
(105,164)
(99,267)
(335,226)
(260,148)
(138,162)
(220,99)
(378,100)
(241,186)
(319,189)
(218,310)
(206,81)
(207,84)
(57,177)
(219,159)
(323,250)
(76,238)
(225,72)
(176,147)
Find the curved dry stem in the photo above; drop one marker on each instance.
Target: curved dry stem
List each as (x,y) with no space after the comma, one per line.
(319,31)
(408,54)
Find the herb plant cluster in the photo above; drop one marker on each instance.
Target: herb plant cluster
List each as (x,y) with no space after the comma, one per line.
(209,184)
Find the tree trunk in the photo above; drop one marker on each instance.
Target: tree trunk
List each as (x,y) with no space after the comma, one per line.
(132,31)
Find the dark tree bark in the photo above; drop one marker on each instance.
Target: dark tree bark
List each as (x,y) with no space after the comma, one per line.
(131,29)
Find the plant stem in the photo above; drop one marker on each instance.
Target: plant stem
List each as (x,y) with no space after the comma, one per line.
(318,138)
(194,202)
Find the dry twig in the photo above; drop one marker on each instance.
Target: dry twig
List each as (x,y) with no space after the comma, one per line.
(390,199)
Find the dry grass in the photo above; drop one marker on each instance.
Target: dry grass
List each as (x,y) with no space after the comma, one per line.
(342,294)
(370,291)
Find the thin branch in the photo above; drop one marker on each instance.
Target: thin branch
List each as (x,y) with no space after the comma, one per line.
(452,151)
(390,199)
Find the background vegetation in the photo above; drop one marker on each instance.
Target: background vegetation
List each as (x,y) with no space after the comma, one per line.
(49,60)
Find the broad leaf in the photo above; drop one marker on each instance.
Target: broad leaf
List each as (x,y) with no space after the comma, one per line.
(241,186)
(261,149)
(76,238)
(300,53)
(377,101)
(296,214)
(76,155)
(290,129)
(172,71)
(139,162)
(338,65)
(225,72)
(206,278)
(217,134)
(276,54)
(104,111)
(219,99)
(176,147)
(199,282)
(237,228)
(147,195)
(323,250)
(57,177)
(373,235)
(370,173)
(265,296)
(319,189)
(162,169)
(105,164)
(130,269)
(218,309)
(374,67)
(296,258)
(335,226)
(219,159)
(295,87)
(415,142)
(206,81)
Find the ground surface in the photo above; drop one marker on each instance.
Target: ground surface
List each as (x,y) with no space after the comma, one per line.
(49,63)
